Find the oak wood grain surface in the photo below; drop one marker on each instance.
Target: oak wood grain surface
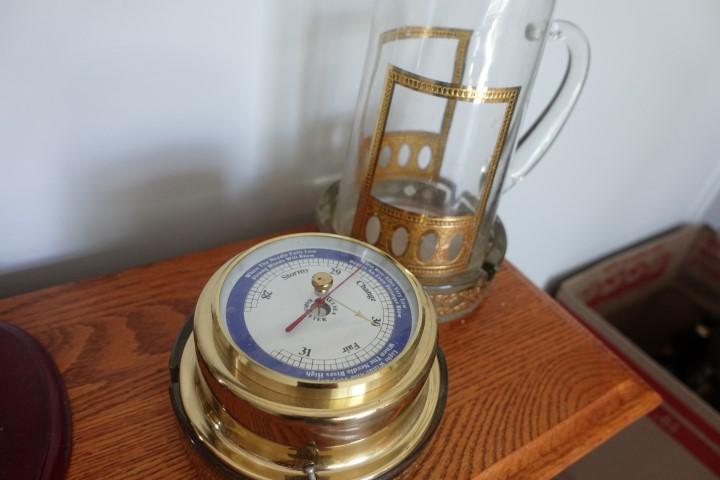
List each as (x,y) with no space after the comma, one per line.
(530,390)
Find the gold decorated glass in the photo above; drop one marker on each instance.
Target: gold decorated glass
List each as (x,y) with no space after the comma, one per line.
(435,137)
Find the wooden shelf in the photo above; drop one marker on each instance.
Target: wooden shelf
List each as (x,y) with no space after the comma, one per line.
(530,389)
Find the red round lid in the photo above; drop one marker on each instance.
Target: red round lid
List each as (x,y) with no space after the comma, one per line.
(35,425)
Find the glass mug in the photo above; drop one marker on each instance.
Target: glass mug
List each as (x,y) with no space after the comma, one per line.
(444,89)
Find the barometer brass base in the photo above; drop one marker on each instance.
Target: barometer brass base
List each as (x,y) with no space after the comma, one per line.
(228,450)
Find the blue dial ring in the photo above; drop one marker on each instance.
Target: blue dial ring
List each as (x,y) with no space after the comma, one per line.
(235,315)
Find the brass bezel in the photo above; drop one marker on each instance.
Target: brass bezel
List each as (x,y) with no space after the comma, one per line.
(264,424)
(286,395)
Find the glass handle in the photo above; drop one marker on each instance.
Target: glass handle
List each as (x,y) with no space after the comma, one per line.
(542,133)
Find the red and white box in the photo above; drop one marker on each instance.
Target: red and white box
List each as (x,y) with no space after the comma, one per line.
(681,438)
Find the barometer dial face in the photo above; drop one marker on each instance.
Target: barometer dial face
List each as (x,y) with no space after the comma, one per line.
(318,308)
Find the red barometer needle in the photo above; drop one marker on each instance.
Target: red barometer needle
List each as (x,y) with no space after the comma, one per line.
(319,301)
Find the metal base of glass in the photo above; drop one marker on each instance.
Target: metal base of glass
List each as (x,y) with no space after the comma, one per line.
(451,300)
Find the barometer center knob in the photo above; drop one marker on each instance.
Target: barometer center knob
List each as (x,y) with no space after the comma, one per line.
(321,282)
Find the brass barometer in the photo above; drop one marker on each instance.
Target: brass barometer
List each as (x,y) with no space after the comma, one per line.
(310,356)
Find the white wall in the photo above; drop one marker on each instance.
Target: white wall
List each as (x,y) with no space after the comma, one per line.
(133,131)
(641,152)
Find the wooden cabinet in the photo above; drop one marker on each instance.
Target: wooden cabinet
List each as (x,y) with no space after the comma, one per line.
(530,390)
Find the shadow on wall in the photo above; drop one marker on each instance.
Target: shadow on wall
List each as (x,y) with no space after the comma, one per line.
(325,44)
(150,207)
(126,210)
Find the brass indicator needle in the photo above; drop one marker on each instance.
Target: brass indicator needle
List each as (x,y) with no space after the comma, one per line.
(357,313)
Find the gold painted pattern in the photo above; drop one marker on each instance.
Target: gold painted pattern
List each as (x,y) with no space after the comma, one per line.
(440,139)
(416,140)
(445,228)
(417,225)
(448,90)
